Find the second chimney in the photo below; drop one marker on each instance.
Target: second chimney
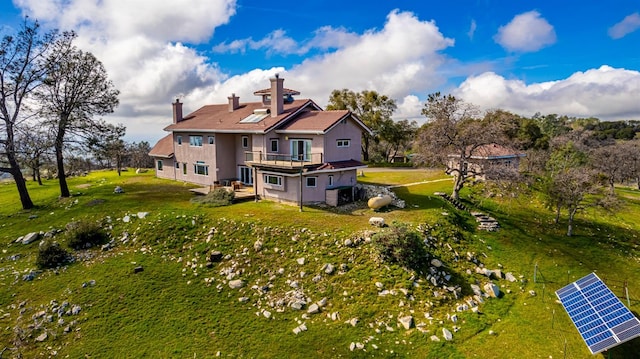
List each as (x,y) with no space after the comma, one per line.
(234,102)
(177,111)
(277,96)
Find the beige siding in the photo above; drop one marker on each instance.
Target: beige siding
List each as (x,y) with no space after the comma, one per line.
(346,130)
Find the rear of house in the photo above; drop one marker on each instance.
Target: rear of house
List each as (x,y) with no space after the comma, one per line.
(284,149)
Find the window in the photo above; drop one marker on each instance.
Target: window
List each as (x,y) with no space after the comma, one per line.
(184,169)
(200,168)
(301,150)
(274,145)
(245,141)
(330,180)
(212,140)
(273,180)
(179,140)
(344,143)
(312,181)
(195,141)
(245,175)
(159,165)
(178,165)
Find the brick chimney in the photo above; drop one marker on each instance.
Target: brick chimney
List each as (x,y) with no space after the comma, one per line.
(177,111)
(234,102)
(277,96)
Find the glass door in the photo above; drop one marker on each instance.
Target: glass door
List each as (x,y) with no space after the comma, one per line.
(301,150)
(245,175)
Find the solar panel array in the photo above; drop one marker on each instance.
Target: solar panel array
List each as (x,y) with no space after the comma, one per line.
(600,317)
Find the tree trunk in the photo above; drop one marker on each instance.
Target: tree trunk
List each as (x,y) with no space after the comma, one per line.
(62,178)
(558,207)
(365,148)
(458,182)
(572,213)
(19,180)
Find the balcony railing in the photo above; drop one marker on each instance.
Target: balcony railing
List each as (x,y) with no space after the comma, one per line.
(283,160)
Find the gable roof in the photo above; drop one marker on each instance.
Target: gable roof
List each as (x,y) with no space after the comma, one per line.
(164,147)
(217,118)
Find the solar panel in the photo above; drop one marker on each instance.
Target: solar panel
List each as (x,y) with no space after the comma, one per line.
(600,317)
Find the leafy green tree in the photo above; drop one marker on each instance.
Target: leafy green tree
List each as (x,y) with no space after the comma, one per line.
(109,146)
(139,155)
(21,72)
(395,137)
(452,136)
(76,88)
(613,162)
(373,109)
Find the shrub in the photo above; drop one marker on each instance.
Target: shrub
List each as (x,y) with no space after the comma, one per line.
(51,255)
(398,244)
(216,198)
(85,234)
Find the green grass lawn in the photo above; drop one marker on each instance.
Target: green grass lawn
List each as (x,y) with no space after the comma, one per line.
(178,306)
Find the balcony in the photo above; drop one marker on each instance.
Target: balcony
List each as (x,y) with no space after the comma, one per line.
(279,160)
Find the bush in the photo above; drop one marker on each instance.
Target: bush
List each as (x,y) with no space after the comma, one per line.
(216,198)
(51,255)
(398,244)
(85,234)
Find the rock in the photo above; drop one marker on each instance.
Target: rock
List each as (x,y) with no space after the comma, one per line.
(476,290)
(447,334)
(335,316)
(215,256)
(322,302)
(235,284)
(141,215)
(406,321)
(313,308)
(30,238)
(257,246)
(297,305)
(497,273)
(510,277)
(29,276)
(126,219)
(138,269)
(377,221)
(491,332)
(454,318)
(379,285)
(42,337)
(492,290)
(266,314)
(532,293)
(434,338)
(118,189)
(243,299)
(436,263)
(329,268)
(300,261)
(75,310)
(348,242)
(352,346)
(353,321)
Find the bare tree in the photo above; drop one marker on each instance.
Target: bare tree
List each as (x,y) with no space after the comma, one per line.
(34,147)
(21,72)
(613,162)
(452,137)
(76,89)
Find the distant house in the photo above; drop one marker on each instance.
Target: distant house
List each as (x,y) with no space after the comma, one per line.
(484,158)
(286,149)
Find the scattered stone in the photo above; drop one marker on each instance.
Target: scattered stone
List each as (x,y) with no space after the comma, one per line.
(379,285)
(335,316)
(215,256)
(313,308)
(42,337)
(322,302)
(300,328)
(447,334)
(138,269)
(118,189)
(476,289)
(29,276)
(498,273)
(300,260)
(352,346)
(348,242)
(491,332)
(126,219)
(329,268)
(30,238)
(236,283)
(353,321)
(266,314)
(257,246)
(436,263)
(75,310)
(492,290)
(297,305)
(406,321)
(142,215)
(377,221)
(434,338)
(510,277)
(454,318)
(532,293)
(243,299)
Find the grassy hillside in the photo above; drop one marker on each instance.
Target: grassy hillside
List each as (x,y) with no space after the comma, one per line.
(179,305)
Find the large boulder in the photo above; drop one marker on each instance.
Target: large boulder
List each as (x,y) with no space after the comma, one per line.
(492,290)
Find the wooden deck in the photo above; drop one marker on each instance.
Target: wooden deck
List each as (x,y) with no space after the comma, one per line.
(241,194)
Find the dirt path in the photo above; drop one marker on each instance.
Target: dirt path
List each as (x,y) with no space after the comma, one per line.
(422,182)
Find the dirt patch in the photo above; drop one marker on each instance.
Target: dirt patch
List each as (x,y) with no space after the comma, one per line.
(84,186)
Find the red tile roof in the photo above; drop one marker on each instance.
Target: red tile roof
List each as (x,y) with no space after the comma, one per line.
(217,118)
(164,147)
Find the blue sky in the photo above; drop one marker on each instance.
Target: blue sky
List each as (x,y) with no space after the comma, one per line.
(579,58)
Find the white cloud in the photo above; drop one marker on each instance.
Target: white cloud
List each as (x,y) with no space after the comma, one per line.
(628,25)
(607,93)
(472,29)
(139,42)
(277,42)
(401,58)
(526,32)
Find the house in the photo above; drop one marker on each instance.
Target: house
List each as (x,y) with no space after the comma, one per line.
(486,160)
(286,149)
